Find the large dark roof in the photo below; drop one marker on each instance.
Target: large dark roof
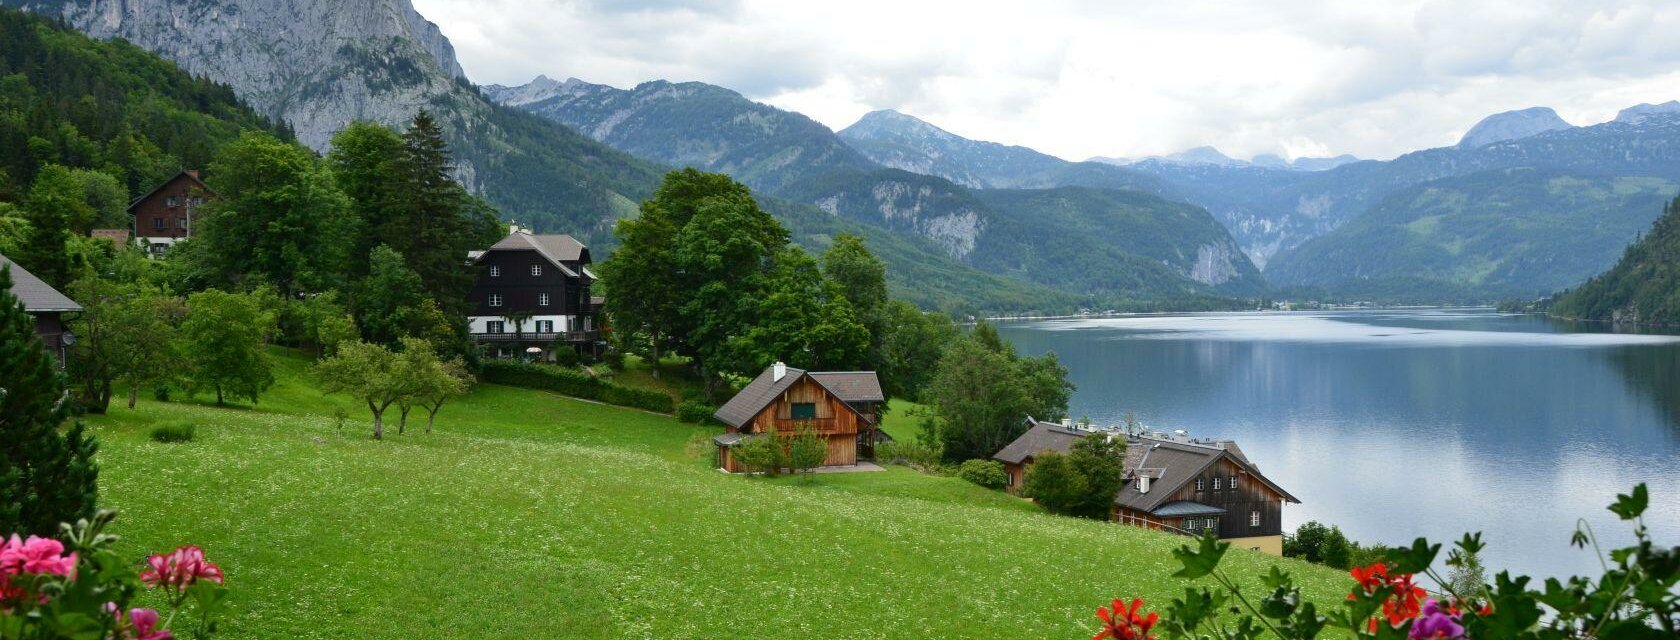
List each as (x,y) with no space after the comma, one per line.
(1043,436)
(851,388)
(557,249)
(37,296)
(1167,462)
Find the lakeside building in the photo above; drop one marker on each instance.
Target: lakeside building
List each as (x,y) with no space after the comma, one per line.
(532,297)
(1173,483)
(842,406)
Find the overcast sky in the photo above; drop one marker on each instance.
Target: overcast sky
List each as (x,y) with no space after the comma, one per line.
(1114,78)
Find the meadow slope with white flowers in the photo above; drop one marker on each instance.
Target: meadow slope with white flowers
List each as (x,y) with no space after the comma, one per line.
(530,515)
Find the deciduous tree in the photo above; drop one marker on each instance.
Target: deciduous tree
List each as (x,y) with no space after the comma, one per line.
(223,334)
(280,219)
(370,373)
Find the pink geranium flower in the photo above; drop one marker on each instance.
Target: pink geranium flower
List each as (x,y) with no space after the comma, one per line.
(42,556)
(180,568)
(142,624)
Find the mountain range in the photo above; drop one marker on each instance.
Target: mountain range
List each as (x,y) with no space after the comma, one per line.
(1523,203)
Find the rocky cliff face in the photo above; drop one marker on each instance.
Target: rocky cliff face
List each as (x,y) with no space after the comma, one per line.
(1512,125)
(317,64)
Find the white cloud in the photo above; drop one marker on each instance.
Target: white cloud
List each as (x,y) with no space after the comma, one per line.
(1103,78)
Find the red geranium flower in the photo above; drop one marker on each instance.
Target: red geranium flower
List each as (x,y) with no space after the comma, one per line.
(1125,623)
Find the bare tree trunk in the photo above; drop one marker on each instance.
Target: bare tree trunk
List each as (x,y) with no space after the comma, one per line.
(218,395)
(402,417)
(133,393)
(378,421)
(431,414)
(655,362)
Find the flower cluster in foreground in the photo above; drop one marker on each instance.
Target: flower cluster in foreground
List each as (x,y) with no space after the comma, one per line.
(50,589)
(1637,597)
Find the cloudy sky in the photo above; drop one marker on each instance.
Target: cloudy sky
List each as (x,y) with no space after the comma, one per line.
(1114,78)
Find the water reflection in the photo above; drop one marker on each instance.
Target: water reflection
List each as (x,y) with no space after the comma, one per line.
(1394,425)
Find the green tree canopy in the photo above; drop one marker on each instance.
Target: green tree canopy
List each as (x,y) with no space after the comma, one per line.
(982,394)
(55,199)
(280,219)
(224,335)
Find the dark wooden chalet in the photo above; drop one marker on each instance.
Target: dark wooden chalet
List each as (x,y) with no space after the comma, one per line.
(46,305)
(843,407)
(1175,483)
(532,292)
(166,214)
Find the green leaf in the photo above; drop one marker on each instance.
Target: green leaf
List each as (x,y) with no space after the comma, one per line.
(1200,562)
(1630,506)
(1415,559)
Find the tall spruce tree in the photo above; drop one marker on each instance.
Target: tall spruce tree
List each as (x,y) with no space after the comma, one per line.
(47,477)
(430,217)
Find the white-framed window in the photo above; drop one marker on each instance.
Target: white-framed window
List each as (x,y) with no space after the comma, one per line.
(1216,483)
(160,224)
(536,269)
(1199,485)
(494,326)
(1233,483)
(542,299)
(1254,518)
(495,299)
(545,326)
(169,201)
(495,271)
(1190,524)
(181,222)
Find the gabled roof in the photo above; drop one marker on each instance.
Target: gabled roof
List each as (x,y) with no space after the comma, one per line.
(764,389)
(852,386)
(1043,436)
(557,249)
(37,296)
(1169,463)
(190,175)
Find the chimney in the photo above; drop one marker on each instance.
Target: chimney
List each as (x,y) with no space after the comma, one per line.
(778,371)
(1143,483)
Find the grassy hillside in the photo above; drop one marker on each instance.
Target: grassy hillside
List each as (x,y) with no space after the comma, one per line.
(1486,236)
(530,515)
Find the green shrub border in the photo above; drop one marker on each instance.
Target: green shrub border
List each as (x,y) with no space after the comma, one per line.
(575,383)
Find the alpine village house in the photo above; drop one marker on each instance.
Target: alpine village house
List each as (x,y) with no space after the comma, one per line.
(166,215)
(532,296)
(46,305)
(1173,483)
(842,406)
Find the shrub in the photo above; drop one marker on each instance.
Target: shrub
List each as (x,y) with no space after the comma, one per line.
(614,360)
(760,454)
(566,356)
(169,432)
(807,450)
(986,473)
(575,383)
(695,412)
(161,393)
(925,457)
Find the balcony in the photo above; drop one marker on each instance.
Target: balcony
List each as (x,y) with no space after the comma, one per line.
(538,338)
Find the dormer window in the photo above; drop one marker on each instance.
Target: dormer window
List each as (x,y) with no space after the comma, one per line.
(495,271)
(536,270)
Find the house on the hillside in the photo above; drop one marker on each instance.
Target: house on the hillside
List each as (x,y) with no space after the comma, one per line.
(46,305)
(843,407)
(1173,483)
(167,214)
(531,297)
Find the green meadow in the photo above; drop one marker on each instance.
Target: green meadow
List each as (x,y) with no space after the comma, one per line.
(525,514)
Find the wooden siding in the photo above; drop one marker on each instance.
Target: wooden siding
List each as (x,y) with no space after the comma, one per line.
(1250,496)
(178,219)
(834,420)
(521,291)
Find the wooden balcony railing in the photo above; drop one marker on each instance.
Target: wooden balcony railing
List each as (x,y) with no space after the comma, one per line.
(533,336)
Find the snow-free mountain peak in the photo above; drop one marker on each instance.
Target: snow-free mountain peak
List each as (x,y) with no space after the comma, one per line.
(1641,112)
(1513,125)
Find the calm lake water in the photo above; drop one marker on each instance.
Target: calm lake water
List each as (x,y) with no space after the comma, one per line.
(1398,424)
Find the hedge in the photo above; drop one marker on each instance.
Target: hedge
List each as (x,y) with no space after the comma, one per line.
(575,383)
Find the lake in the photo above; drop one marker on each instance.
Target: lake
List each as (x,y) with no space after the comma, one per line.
(1398,424)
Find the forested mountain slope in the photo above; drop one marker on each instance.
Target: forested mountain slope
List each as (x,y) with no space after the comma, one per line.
(1643,288)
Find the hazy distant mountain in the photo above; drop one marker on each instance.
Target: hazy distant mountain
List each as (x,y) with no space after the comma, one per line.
(1638,113)
(1512,125)
(1322,164)
(319,64)
(1036,240)
(905,142)
(1504,233)
(1271,211)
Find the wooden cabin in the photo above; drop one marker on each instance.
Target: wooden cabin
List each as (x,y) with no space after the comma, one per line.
(1175,483)
(842,406)
(169,213)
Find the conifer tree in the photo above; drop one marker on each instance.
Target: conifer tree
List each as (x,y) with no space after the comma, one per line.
(45,477)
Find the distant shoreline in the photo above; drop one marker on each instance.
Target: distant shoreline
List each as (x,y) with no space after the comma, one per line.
(1146,314)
